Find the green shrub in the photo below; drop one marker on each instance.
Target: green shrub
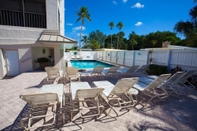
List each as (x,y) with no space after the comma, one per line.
(42,60)
(156,69)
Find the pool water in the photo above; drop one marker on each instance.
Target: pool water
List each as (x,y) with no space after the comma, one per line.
(86,64)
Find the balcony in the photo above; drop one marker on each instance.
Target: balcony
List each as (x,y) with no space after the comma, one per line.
(26,19)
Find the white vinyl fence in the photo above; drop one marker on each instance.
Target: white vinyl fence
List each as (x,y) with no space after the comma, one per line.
(186,59)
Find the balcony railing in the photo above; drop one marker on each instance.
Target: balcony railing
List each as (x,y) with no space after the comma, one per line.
(16,18)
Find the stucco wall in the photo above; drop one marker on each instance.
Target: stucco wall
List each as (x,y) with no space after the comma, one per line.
(52,14)
(3,70)
(12,35)
(62,16)
(25,59)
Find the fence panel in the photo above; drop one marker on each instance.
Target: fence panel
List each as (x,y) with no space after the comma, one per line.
(140,58)
(114,56)
(120,57)
(186,59)
(104,55)
(128,61)
(160,57)
(99,55)
(108,56)
(67,55)
(87,55)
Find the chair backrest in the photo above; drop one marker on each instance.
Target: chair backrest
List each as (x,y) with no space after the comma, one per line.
(124,85)
(52,72)
(71,70)
(175,77)
(158,81)
(88,93)
(98,70)
(113,69)
(132,69)
(143,67)
(41,98)
(184,77)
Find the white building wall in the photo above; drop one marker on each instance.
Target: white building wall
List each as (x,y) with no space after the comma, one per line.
(2,65)
(52,14)
(25,59)
(23,39)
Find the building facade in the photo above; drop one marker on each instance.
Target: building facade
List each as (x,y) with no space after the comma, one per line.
(30,29)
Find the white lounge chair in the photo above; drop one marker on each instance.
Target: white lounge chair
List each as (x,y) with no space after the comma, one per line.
(112,71)
(117,91)
(43,106)
(151,89)
(84,97)
(72,73)
(131,71)
(53,75)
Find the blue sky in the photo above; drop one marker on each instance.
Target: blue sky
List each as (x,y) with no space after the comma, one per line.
(140,16)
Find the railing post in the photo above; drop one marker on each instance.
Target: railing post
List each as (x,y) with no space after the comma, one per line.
(23,7)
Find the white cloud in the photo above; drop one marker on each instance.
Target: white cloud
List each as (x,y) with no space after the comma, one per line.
(137,5)
(138,23)
(125,1)
(78,28)
(114,2)
(69,24)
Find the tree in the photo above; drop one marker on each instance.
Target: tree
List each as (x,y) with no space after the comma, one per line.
(99,36)
(189,28)
(83,14)
(85,40)
(111,25)
(132,39)
(94,44)
(120,26)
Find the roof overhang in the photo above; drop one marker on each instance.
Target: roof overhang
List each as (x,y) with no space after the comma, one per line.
(54,37)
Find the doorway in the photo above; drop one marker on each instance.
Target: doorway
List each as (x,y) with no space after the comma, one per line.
(12,63)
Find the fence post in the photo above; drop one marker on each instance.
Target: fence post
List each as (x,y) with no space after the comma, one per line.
(133,58)
(168,59)
(123,62)
(147,57)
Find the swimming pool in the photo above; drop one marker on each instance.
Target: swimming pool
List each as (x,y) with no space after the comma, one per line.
(87,64)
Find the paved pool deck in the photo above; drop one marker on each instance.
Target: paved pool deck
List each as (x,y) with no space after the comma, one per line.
(172,114)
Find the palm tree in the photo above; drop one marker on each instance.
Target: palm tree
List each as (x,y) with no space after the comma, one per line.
(83,14)
(120,26)
(85,39)
(111,25)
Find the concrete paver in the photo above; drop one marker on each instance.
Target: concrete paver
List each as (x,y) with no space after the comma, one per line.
(174,113)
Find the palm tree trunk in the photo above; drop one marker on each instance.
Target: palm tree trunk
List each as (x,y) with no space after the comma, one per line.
(81,31)
(111,41)
(80,37)
(117,42)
